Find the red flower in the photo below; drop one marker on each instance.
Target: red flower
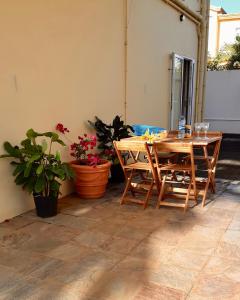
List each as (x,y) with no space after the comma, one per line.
(60,127)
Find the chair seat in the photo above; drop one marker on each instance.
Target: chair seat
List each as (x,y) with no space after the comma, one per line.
(166,155)
(138,166)
(176,167)
(201,157)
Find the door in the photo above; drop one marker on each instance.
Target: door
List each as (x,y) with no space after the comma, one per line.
(176,90)
(181,90)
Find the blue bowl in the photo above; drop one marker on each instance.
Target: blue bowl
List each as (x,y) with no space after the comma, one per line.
(140,129)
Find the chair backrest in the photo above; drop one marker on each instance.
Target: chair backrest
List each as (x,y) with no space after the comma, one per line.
(135,149)
(174,147)
(125,145)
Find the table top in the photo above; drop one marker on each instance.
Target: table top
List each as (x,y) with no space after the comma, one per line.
(202,141)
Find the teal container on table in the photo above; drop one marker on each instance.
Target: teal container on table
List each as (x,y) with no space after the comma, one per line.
(140,129)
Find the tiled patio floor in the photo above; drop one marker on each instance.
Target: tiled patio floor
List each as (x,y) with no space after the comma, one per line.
(101,250)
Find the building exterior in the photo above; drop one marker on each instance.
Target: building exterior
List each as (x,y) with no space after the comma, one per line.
(223,29)
(67,61)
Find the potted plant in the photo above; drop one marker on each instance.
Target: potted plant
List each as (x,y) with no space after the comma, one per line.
(38,170)
(106,134)
(91,171)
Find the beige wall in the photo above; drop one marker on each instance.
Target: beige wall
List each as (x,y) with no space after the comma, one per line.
(154,33)
(60,61)
(194,5)
(64,61)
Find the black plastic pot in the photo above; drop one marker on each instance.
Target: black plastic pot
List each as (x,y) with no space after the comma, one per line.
(117,174)
(45,206)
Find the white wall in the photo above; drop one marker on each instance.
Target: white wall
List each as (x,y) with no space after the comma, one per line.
(212,37)
(222,108)
(228,31)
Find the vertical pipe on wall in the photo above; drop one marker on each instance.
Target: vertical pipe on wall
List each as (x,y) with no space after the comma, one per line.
(201,75)
(197,88)
(207,10)
(125,58)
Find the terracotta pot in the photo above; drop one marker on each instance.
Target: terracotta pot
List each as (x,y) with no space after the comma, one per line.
(91,181)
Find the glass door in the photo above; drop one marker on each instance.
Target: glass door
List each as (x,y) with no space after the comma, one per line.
(181,90)
(176,90)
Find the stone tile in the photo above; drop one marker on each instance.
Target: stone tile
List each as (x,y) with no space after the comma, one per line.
(159,292)
(80,223)
(231,237)
(5,231)
(130,232)
(228,250)
(51,290)
(119,245)
(68,251)
(210,221)
(27,263)
(204,233)
(108,228)
(227,268)
(88,268)
(92,238)
(235,224)
(153,250)
(115,286)
(227,202)
(10,279)
(171,232)
(187,259)
(222,213)
(16,223)
(38,233)
(205,247)
(174,276)
(214,288)
(15,239)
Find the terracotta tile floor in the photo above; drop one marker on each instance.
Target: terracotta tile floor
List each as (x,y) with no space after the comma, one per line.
(101,250)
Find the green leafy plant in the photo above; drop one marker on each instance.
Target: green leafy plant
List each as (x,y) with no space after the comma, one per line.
(36,169)
(107,133)
(228,58)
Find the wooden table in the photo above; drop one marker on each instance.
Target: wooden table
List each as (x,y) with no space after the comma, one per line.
(203,143)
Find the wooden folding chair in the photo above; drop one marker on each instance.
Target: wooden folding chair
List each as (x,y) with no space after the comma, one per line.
(170,189)
(210,161)
(140,173)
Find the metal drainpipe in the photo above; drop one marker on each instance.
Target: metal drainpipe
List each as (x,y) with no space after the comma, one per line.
(202,62)
(205,59)
(125,58)
(178,5)
(197,88)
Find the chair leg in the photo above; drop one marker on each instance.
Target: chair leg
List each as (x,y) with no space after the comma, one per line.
(194,190)
(187,197)
(161,192)
(212,183)
(148,195)
(206,189)
(128,185)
